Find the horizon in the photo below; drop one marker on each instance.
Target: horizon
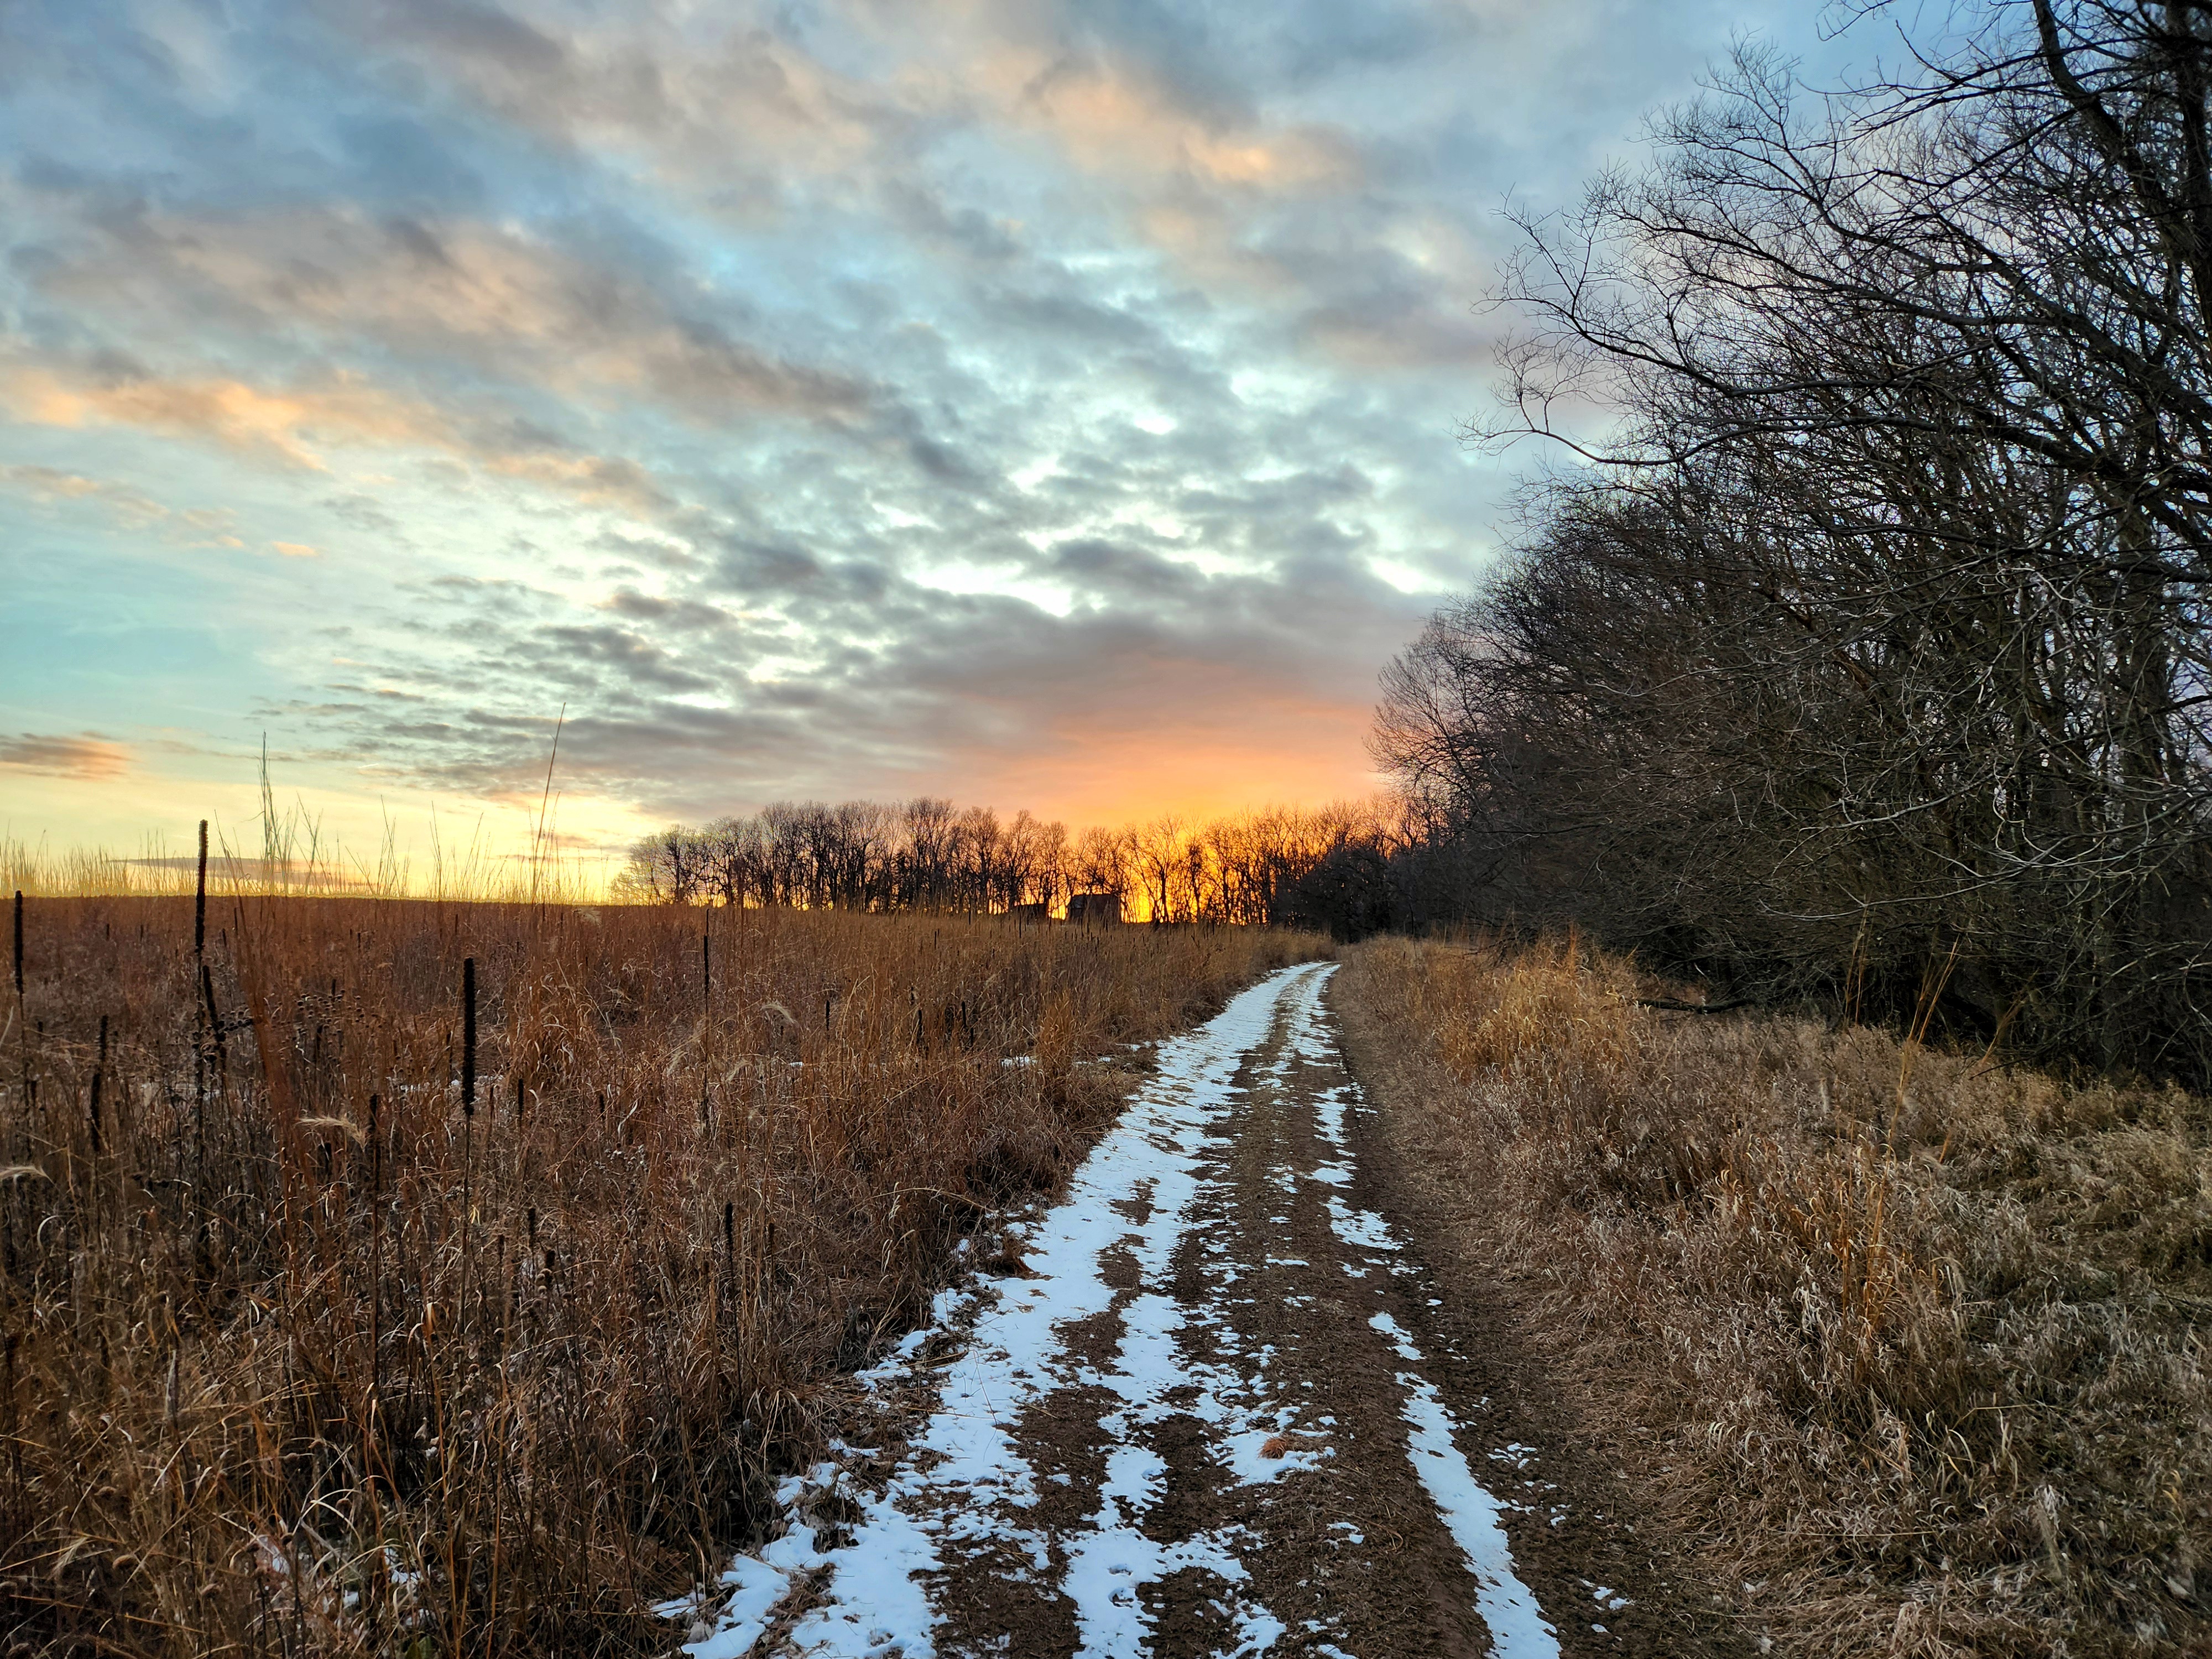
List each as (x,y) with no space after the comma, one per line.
(539,862)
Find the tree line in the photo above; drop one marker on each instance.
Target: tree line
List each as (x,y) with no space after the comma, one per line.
(1865,655)
(1324,867)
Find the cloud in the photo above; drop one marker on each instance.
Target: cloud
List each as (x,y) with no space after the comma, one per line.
(364,513)
(594,323)
(129,508)
(87,755)
(700,98)
(297,550)
(682,706)
(488,343)
(285,425)
(51,485)
(1112,117)
(299,427)
(688,614)
(1011,398)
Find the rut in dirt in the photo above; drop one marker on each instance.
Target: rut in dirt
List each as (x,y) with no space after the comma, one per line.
(1204,1419)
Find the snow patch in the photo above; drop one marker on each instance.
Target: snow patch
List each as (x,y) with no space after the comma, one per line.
(965,1473)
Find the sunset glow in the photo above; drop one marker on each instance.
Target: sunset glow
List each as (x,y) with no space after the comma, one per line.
(1046,406)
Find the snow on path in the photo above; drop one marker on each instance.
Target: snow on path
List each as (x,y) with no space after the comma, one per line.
(1518,1629)
(964,1484)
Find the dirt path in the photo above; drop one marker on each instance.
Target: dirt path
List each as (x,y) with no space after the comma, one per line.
(1210,1405)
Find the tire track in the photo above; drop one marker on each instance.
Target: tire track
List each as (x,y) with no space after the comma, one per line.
(1198,1425)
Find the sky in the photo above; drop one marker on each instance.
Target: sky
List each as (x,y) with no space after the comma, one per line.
(1039,403)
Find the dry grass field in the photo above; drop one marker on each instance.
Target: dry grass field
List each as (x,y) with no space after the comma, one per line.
(303,1355)
(1909,1349)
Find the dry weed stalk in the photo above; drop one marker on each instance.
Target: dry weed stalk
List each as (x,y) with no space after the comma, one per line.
(306,1351)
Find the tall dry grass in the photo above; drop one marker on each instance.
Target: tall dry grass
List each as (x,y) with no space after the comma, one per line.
(300,1357)
(1914,1346)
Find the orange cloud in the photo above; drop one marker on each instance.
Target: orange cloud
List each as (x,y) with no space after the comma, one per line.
(1112,122)
(600,480)
(297,550)
(87,755)
(284,425)
(293,425)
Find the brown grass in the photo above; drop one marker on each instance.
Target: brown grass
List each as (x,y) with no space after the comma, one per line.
(300,1358)
(1913,1346)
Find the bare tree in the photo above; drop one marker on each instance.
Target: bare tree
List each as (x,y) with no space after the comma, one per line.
(1878,621)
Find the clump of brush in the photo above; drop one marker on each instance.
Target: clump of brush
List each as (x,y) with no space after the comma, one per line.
(1912,1343)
